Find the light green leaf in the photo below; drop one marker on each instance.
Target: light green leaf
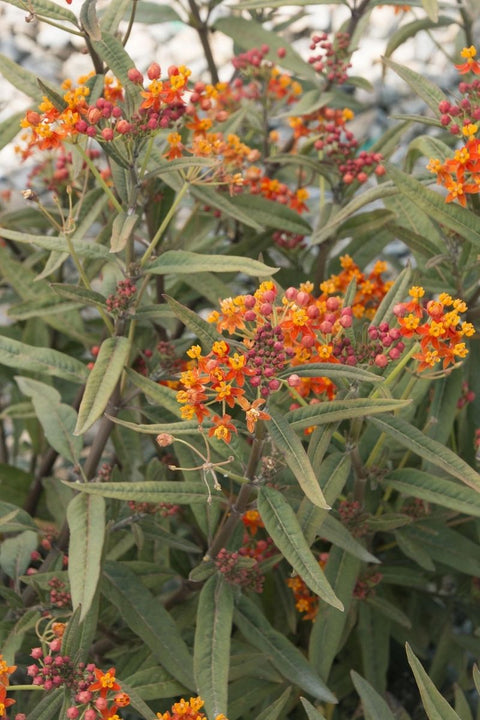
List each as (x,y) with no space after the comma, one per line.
(427,448)
(272,214)
(115,12)
(284,529)
(462,707)
(329,229)
(337,410)
(284,656)
(452,215)
(332,371)
(430,93)
(410,29)
(148,619)
(48,706)
(203,330)
(275,709)
(438,490)
(178,262)
(250,34)
(89,20)
(79,294)
(389,610)
(86,521)
(160,395)
(313,713)
(373,705)
(41,360)
(336,533)
(150,13)
(56,243)
(47,9)
(476,677)
(210,196)
(15,553)
(175,492)
(288,442)
(185,427)
(20,78)
(327,632)
(444,545)
(431,8)
(114,55)
(56,418)
(154,682)
(102,380)
(14,519)
(435,705)
(122,227)
(211,653)
(396,294)
(9,128)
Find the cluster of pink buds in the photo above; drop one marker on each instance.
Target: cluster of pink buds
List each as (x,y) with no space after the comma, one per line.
(466,397)
(238,570)
(252,58)
(58,595)
(119,301)
(456,116)
(331,58)
(384,346)
(55,670)
(354,168)
(145,508)
(365,587)
(353,515)
(267,357)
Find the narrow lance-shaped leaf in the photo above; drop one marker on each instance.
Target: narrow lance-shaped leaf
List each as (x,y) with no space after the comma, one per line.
(428,91)
(431,450)
(102,381)
(274,710)
(288,442)
(373,705)
(435,705)
(203,330)
(86,521)
(211,654)
(338,410)
(148,619)
(283,527)
(178,262)
(40,360)
(438,490)
(283,655)
(178,493)
(312,712)
(56,418)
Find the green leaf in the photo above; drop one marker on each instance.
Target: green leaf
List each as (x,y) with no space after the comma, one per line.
(40,360)
(272,214)
(373,705)
(80,294)
(452,215)
(337,410)
(47,9)
(150,13)
(444,545)
(114,13)
(284,656)
(250,34)
(211,654)
(283,527)
(333,371)
(434,704)
(185,427)
(462,707)
(288,442)
(179,262)
(154,682)
(56,418)
(148,619)
(329,229)
(20,78)
(313,713)
(389,610)
(276,708)
(102,380)
(430,93)
(14,519)
(438,490)
(15,553)
(9,128)
(476,677)
(336,533)
(48,706)
(175,492)
(122,228)
(57,243)
(161,395)
(409,30)
(89,20)
(431,8)
(427,448)
(114,55)
(396,294)
(86,521)
(203,330)
(214,198)
(326,636)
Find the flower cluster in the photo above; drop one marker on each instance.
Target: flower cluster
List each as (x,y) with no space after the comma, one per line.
(353,516)
(252,546)
(438,327)
(331,58)
(460,174)
(365,586)
(186,710)
(59,596)
(119,301)
(146,508)
(97,695)
(239,570)
(305,601)
(5,672)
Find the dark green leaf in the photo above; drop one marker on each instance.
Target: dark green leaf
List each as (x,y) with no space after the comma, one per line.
(175,492)
(373,705)
(178,262)
(435,705)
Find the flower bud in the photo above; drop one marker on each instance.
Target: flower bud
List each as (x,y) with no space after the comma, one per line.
(153,71)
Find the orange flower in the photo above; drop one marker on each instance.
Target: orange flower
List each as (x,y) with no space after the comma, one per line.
(470,65)
(105,682)
(252,413)
(223,428)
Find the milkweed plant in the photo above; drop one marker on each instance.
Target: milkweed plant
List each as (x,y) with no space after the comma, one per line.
(240,430)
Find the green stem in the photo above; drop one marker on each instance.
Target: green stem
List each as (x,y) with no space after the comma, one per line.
(130,23)
(66,29)
(98,177)
(164,225)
